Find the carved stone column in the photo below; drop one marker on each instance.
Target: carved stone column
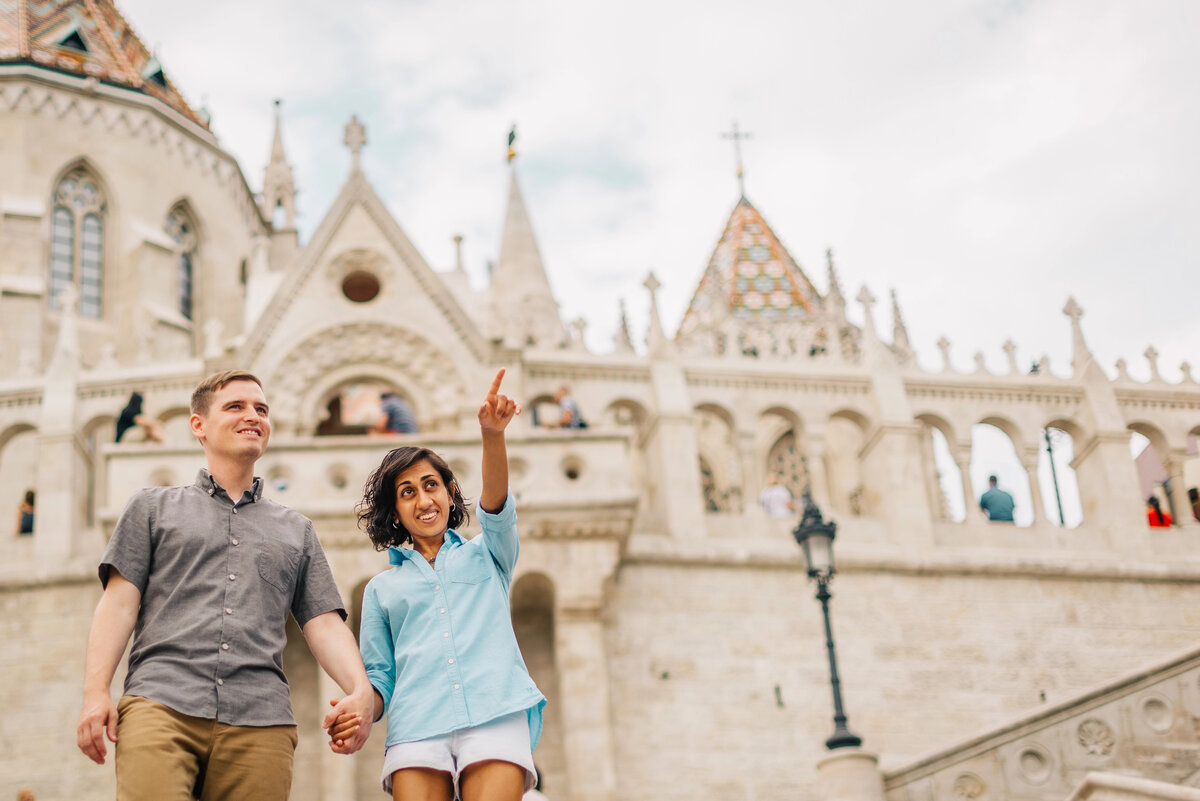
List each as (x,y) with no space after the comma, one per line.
(1181,507)
(818,474)
(1029,461)
(584,684)
(963,459)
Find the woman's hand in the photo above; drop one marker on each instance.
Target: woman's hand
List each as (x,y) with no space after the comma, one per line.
(497,410)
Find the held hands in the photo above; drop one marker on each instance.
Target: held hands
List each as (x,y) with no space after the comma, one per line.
(97,719)
(348,729)
(497,410)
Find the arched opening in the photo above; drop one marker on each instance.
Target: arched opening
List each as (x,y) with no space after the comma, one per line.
(533,622)
(844,435)
(98,431)
(304,678)
(1191,476)
(943,475)
(626,413)
(180,226)
(1149,448)
(366,406)
(18,469)
(994,454)
(1056,477)
(720,471)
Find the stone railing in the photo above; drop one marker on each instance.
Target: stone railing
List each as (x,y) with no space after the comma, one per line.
(1145,725)
(553,477)
(1117,787)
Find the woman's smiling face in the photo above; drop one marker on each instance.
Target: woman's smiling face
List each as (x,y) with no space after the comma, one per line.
(423,501)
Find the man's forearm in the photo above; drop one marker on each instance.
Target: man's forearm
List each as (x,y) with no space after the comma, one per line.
(112,624)
(336,651)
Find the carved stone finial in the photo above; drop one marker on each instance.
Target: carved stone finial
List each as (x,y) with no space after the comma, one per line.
(356,137)
(980,364)
(866,299)
(1152,356)
(1010,352)
(623,340)
(1044,365)
(458,261)
(651,283)
(1073,310)
(1186,369)
(1122,370)
(943,345)
(578,328)
(656,338)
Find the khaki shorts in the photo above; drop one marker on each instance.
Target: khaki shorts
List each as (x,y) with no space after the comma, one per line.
(163,755)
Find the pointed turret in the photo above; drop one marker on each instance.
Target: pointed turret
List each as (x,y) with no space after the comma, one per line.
(1080,355)
(623,339)
(900,341)
(752,289)
(525,310)
(279,188)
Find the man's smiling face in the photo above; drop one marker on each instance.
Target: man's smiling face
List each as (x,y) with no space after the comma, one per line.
(236,424)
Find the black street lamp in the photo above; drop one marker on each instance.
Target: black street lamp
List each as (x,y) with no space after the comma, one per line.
(815,537)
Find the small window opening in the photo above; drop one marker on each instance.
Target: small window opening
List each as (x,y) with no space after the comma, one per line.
(75,42)
(360,286)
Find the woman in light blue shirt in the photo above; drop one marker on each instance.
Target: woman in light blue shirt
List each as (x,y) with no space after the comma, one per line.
(437,639)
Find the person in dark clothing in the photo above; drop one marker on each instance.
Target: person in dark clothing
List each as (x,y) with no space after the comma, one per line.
(25,515)
(132,416)
(395,416)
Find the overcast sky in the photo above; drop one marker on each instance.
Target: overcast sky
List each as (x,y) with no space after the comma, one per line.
(985,158)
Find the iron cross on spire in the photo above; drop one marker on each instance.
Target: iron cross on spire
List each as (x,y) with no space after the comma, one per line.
(737,137)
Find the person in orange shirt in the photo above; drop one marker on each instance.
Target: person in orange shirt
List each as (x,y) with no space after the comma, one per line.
(1155,516)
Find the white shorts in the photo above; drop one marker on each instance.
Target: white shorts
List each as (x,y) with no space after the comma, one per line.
(505,739)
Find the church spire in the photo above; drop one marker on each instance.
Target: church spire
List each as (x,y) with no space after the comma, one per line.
(899,330)
(524,304)
(279,189)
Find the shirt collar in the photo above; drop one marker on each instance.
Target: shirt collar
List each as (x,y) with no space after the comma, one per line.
(209,485)
(397,556)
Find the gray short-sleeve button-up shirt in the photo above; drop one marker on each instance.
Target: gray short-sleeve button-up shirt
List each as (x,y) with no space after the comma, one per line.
(218,579)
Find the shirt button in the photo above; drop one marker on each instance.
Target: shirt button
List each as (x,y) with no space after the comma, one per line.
(233,542)
(440,611)
(224,646)
(220,682)
(437,586)
(228,611)
(235,510)
(458,686)
(232,577)
(445,634)
(450,660)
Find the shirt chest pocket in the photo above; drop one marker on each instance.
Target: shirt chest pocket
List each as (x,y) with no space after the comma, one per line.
(277,566)
(472,567)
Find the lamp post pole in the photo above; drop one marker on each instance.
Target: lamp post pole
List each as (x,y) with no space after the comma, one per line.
(815,537)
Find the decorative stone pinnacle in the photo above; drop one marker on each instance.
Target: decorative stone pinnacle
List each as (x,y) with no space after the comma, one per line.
(866,299)
(943,345)
(1152,356)
(1186,369)
(1010,351)
(1073,310)
(356,137)
(651,283)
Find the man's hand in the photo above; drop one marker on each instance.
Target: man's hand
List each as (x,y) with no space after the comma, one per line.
(497,410)
(97,718)
(349,722)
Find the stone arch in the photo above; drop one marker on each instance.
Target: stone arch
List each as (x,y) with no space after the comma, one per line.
(176,424)
(845,435)
(1062,492)
(95,433)
(720,469)
(995,443)
(392,353)
(371,380)
(940,464)
(780,451)
(1151,463)
(183,225)
(533,604)
(626,412)
(18,470)
(542,408)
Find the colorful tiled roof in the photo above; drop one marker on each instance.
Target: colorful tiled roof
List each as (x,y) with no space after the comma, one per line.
(88,38)
(752,275)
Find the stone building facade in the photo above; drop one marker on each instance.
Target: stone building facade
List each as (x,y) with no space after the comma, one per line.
(664,614)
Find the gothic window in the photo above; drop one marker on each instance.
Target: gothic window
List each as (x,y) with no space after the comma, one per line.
(786,466)
(77,242)
(182,230)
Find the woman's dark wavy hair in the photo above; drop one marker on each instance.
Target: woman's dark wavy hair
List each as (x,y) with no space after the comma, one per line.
(377,509)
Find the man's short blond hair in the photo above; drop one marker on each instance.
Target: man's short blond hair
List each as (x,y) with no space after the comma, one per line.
(203,394)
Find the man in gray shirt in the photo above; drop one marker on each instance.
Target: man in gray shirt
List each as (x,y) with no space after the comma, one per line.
(204,578)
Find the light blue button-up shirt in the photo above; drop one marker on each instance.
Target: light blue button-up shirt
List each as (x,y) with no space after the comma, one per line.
(439,644)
